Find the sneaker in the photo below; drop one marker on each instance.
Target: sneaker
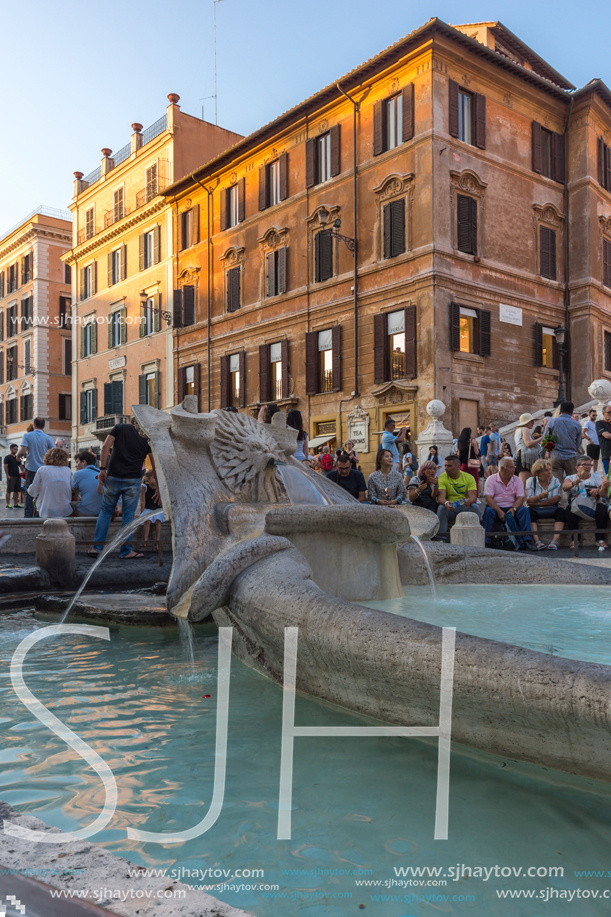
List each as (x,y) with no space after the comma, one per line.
(8,506)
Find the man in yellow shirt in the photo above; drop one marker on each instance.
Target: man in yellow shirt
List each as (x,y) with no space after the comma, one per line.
(457,493)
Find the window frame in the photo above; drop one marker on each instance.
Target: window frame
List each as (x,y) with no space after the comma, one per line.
(323,158)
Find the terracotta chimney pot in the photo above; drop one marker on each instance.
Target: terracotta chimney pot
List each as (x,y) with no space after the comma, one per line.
(173,97)
(106,152)
(136,127)
(78,175)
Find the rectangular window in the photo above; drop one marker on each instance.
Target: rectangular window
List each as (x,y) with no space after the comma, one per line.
(324,157)
(396,334)
(233,205)
(89,405)
(606,263)
(275,358)
(67,356)
(67,273)
(323,256)
(27,310)
(465,115)
(118,206)
(13,277)
(11,411)
(325,360)
(234,380)
(27,357)
(149,248)
(65,407)
(274,183)
(394,121)
(468,330)
(147,319)
(27,270)
(466,215)
(27,406)
(548,340)
(608,351)
(88,338)
(116,267)
(12,322)
(115,328)
(151,186)
(547,252)
(190,380)
(546,153)
(276,272)
(11,363)
(1,284)
(394,229)
(1,326)
(113,397)
(65,312)
(233,282)
(89,225)
(186,229)
(87,282)
(151,398)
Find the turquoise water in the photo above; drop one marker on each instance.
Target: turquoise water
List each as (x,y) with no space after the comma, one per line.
(359,804)
(569,621)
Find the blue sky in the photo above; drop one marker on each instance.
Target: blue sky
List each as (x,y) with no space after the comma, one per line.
(78,72)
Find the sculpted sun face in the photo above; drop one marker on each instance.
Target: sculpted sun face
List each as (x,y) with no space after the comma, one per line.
(244,453)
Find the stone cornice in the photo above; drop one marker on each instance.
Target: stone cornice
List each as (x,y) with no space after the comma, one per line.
(117,229)
(31,233)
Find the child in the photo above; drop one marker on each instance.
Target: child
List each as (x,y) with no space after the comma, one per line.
(147,503)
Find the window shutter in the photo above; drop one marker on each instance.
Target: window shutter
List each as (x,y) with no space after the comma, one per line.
(124,262)
(94,404)
(397,216)
(109,265)
(263,190)
(197,383)
(188,300)
(282,255)
(537,147)
(195,224)
(1,368)
(544,251)
(83,407)
(606,263)
(182,372)
(94,337)
(94,278)
(479,120)
(111,323)
(177,309)
(157,389)
(284,176)
(324,255)
(157,244)
(554,353)
(242,200)
(411,365)
(179,232)
(242,364)
(225,209)
(284,352)
(233,289)
(336,357)
(82,341)
(2,326)
(224,381)
(600,147)
(552,254)
(607,177)
(483,323)
(454,326)
(108,398)
(538,344)
(466,208)
(123,325)
(141,243)
(157,312)
(380,348)
(378,128)
(311,363)
(558,157)
(117,397)
(264,373)
(387,230)
(311,170)
(336,156)
(270,264)
(81,284)
(453,110)
(142,326)
(142,389)
(408,112)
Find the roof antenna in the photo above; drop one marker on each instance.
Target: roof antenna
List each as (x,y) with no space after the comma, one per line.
(216,117)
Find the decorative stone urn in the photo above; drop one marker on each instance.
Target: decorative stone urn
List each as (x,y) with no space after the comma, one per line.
(435,434)
(600,389)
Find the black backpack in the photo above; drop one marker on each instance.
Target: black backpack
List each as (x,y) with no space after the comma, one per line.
(501,540)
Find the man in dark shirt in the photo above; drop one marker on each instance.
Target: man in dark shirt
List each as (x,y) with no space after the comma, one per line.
(348,478)
(122,480)
(12,471)
(603,428)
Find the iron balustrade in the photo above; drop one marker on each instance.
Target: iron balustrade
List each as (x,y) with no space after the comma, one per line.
(123,154)
(93,177)
(154,130)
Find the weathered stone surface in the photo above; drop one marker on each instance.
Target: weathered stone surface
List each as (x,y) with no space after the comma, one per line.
(55,552)
(507,700)
(103,870)
(468,530)
(422,522)
(116,607)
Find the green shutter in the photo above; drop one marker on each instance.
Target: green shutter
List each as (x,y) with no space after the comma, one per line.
(123,329)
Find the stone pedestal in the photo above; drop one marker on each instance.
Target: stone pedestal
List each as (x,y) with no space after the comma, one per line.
(55,550)
(435,433)
(468,530)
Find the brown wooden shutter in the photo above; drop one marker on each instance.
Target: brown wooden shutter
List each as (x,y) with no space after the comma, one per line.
(81,283)
(242,364)
(552,254)
(537,147)
(182,384)
(225,209)
(466,210)
(408,112)
(242,200)
(111,330)
(538,344)
(387,218)
(555,357)
(263,189)
(397,223)
(141,244)
(197,383)
(270,279)
(479,120)
(336,159)
(410,322)
(544,251)
(233,289)
(224,381)
(179,232)
(177,309)
(311,362)
(454,326)
(195,224)
(282,255)
(336,357)
(380,348)
(284,353)
(311,170)
(109,267)
(323,251)
(607,177)
(484,327)
(606,263)
(264,373)
(378,128)
(453,110)
(600,147)
(157,244)
(284,176)
(558,157)
(95,277)
(188,305)
(124,262)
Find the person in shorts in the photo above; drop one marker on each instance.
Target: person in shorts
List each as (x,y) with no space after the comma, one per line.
(591,437)
(12,471)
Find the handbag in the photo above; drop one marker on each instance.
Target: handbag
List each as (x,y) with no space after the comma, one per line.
(584,507)
(473,462)
(529,455)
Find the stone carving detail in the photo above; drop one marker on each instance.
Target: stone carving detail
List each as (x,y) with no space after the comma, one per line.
(468,182)
(188,276)
(244,452)
(274,237)
(395,393)
(233,256)
(605,224)
(357,427)
(395,185)
(548,214)
(322,217)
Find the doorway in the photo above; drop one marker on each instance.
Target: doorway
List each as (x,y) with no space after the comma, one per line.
(468,415)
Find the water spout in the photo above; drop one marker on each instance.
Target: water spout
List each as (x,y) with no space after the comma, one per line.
(185,635)
(302,488)
(429,568)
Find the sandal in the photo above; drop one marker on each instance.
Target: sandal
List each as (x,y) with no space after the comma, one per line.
(93,553)
(539,546)
(552,546)
(132,556)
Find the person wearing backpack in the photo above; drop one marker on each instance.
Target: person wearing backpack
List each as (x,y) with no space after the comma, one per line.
(326,461)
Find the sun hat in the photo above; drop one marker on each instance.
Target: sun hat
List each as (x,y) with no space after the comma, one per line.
(524,419)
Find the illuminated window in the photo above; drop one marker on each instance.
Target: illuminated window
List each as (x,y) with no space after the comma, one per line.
(396,333)
(275,357)
(325,350)
(190,380)
(547,348)
(394,121)
(274,183)
(234,380)
(465,115)
(468,330)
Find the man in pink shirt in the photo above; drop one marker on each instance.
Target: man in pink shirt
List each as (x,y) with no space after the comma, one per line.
(504,495)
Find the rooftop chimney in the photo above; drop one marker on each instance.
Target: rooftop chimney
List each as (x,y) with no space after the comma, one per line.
(107,163)
(136,136)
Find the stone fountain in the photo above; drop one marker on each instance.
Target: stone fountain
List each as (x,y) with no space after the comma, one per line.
(259,563)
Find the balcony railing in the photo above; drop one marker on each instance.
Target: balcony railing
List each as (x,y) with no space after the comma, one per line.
(154,130)
(151,190)
(94,176)
(326,381)
(277,389)
(397,366)
(115,214)
(123,154)
(88,232)
(106,423)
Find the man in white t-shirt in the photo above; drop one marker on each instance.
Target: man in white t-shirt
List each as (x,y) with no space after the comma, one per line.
(590,434)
